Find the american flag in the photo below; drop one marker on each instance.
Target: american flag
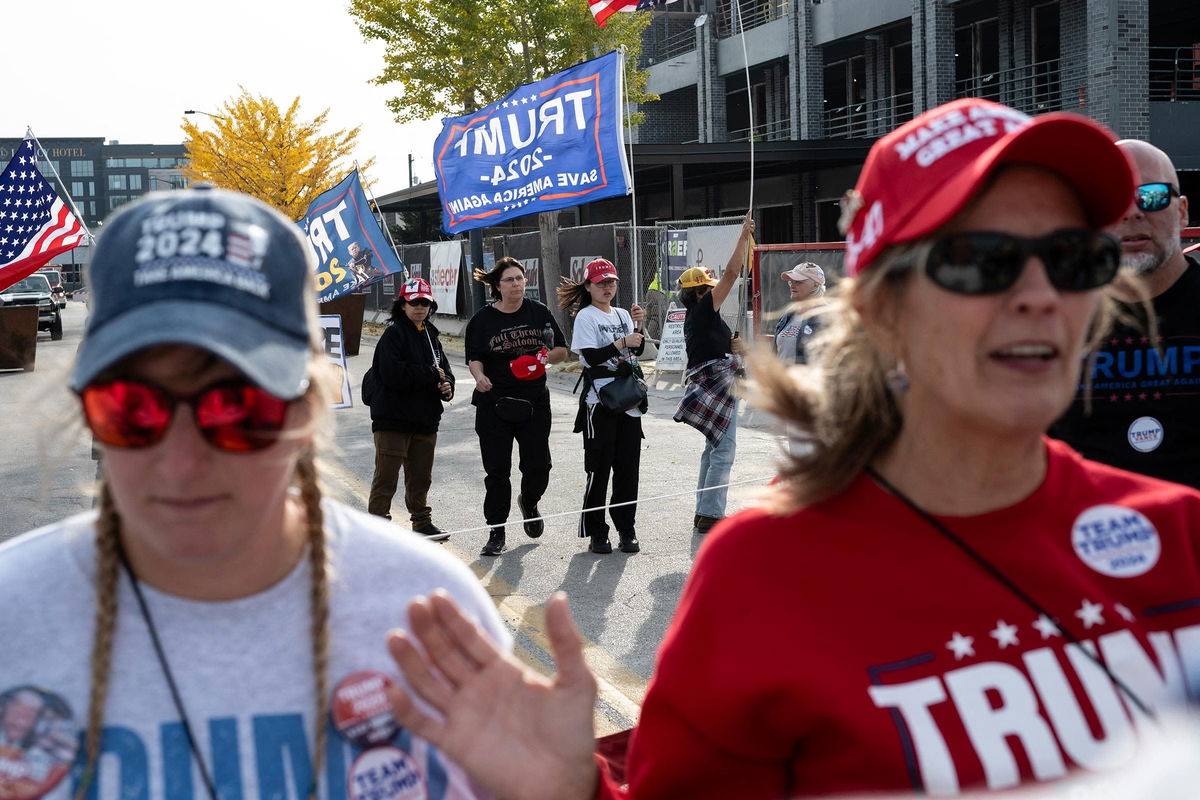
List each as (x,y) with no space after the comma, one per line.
(603,9)
(35,224)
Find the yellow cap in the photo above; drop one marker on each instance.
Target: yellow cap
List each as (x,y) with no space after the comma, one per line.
(696,276)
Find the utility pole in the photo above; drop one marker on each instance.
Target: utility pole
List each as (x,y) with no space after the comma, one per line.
(410,173)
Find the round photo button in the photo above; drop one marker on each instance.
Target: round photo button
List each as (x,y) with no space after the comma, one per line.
(38,742)
(361,711)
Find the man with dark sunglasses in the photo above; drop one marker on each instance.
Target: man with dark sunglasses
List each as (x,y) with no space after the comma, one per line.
(1144,416)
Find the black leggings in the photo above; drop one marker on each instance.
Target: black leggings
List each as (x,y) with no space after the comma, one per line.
(612,442)
(495,446)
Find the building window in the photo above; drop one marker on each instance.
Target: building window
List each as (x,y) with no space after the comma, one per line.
(845,97)
(115,201)
(76,188)
(977,59)
(83,169)
(48,168)
(135,182)
(117,182)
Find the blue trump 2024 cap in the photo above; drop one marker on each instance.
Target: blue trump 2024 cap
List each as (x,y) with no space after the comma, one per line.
(204,267)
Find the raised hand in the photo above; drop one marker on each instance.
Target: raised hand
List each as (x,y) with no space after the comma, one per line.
(519,734)
(637,313)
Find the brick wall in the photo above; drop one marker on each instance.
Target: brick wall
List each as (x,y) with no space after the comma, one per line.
(673,119)
(710,88)
(806,65)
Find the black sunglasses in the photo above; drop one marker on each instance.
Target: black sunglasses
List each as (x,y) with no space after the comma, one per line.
(420,301)
(987,262)
(1154,196)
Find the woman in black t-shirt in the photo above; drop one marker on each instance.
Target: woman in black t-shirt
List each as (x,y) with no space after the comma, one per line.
(508,344)
(709,404)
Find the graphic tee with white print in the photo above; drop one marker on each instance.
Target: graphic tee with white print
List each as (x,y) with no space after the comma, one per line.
(595,328)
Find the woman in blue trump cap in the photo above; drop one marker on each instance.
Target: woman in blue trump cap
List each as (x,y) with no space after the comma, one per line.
(215,612)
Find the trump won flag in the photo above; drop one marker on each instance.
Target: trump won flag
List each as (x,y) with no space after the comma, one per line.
(551,144)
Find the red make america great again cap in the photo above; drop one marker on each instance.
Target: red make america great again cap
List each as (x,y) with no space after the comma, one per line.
(923,173)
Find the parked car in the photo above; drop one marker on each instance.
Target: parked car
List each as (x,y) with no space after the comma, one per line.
(34,290)
(56,285)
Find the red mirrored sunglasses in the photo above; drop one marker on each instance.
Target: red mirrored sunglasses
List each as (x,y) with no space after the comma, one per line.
(236,417)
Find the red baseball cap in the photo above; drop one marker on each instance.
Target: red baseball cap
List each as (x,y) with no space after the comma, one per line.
(416,289)
(601,269)
(923,173)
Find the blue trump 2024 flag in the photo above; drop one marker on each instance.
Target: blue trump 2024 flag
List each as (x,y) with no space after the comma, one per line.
(351,249)
(551,144)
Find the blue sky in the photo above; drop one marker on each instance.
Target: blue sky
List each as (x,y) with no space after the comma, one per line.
(127,69)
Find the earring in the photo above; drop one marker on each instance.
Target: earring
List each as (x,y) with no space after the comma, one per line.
(897,378)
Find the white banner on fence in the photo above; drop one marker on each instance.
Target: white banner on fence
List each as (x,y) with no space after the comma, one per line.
(711,246)
(444,260)
(336,352)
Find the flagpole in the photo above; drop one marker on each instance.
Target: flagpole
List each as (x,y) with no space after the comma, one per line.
(382,222)
(750,107)
(61,185)
(637,274)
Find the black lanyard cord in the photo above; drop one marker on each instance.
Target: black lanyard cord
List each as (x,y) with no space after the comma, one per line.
(995,572)
(167,674)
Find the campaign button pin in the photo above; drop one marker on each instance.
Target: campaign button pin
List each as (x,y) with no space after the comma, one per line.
(385,773)
(1116,541)
(361,711)
(38,742)
(1145,434)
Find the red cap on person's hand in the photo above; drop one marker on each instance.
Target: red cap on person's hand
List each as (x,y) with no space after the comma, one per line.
(527,367)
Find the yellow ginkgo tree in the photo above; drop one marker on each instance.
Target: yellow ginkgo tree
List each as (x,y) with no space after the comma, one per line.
(253,146)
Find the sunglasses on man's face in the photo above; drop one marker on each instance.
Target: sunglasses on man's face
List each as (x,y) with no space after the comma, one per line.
(235,417)
(987,262)
(1154,196)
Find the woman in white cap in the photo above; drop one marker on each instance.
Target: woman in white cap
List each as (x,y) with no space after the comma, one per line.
(413,382)
(798,324)
(937,597)
(709,404)
(608,342)
(215,629)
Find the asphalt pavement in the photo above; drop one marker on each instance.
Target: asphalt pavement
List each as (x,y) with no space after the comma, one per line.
(622,603)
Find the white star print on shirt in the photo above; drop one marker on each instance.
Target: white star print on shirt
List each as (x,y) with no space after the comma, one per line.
(961,645)
(1046,627)
(1004,634)
(1091,613)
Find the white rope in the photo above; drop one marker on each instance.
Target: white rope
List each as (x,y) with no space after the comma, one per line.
(760,479)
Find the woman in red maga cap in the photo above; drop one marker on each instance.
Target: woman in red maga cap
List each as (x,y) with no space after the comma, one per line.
(937,597)
(508,344)
(414,382)
(608,342)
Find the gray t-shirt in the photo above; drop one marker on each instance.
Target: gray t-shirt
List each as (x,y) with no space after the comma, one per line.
(243,667)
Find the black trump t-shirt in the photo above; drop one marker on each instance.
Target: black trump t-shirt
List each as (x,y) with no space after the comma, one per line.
(1145,413)
(705,334)
(495,338)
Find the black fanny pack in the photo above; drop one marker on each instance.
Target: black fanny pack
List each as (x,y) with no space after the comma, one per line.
(514,410)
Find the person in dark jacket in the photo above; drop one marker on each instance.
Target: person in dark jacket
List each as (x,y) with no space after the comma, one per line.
(414,380)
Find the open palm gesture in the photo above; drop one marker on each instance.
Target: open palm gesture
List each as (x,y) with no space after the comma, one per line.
(523,736)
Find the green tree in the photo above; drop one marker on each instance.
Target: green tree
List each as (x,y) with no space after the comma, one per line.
(272,154)
(451,58)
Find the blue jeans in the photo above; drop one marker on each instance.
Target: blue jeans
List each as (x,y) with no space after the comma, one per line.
(715,465)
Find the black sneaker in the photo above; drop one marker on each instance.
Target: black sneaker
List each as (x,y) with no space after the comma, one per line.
(629,542)
(495,543)
(600,544)
(535,528)
(433,533)
(705,524)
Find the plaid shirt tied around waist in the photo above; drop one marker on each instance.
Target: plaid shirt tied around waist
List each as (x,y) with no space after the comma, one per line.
(708,404)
